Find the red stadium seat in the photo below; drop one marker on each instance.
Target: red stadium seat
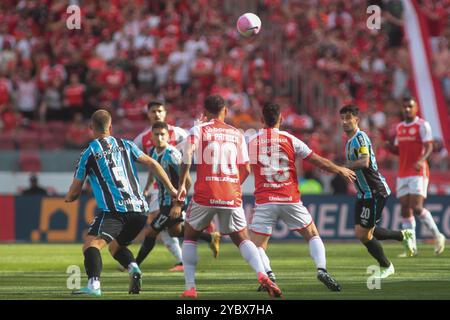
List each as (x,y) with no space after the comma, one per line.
(57,127)
(27,140)
(30,162)
(49,141)
(7,141)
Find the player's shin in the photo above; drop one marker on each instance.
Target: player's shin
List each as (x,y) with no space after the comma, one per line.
(265,261)
(172,244)
(146,247)
(427,219)
(410,223)
(190,258)
(125,257)
(376,250)
(93,266)
(317,252)
(250,253)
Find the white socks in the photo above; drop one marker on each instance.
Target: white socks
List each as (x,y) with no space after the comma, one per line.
(410,223)
(317,252)
(251,255)
(172,244)
(190,259)
(427,219)
(132,266)
(94,283)
(264,259)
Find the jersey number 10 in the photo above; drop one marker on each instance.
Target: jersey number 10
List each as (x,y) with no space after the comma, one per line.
(222,156)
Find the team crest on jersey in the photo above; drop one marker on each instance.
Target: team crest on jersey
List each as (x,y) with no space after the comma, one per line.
(412,131)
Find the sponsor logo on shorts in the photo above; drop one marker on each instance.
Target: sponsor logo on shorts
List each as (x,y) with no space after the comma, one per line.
(221,202)
(280,198)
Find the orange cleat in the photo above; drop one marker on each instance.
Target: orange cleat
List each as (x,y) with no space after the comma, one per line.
(177,268)
(269,285)
(190,293)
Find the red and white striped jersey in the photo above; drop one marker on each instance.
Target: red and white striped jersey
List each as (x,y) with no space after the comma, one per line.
(272,156)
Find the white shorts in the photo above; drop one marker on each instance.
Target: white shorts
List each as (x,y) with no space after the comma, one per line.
(412,185)
(295,215)
(231,220)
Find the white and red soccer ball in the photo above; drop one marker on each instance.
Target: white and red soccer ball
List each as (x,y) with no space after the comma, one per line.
(248,24)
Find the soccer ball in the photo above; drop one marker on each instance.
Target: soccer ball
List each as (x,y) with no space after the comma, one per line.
(248,24)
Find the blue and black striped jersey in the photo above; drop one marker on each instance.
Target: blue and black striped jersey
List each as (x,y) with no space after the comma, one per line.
(170,159)
(369,181)
(109,163)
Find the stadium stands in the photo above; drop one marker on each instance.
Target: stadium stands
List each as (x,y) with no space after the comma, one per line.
(311,56)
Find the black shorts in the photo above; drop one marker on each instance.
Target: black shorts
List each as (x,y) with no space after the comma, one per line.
(163,221)
(368,211)
(122,226)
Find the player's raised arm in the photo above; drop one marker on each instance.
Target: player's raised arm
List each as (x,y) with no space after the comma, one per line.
(329,166)
(158,171)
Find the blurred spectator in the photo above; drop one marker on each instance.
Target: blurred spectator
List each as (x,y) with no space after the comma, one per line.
(442,67)
(393,12)
(180,61)
(78,133)
(9,119)
(26,94)
(51,107)
(74,95)
(107,49)
(34,188)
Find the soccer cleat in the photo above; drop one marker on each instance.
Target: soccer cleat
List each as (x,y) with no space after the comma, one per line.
(407,255)
(269,286)
(190,293)
(408,242)
(215,244)
(328,280)
(88,291)
(177,268)
(439,244)
(386,272)
(135,283)
(271,276)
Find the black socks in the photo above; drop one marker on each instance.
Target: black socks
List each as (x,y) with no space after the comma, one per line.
(93,262)
(376,250)
(145,249)
(124,257)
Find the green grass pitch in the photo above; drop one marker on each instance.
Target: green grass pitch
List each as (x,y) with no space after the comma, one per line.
(38,271)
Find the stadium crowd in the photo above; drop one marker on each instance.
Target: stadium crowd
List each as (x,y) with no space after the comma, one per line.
(177,51)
